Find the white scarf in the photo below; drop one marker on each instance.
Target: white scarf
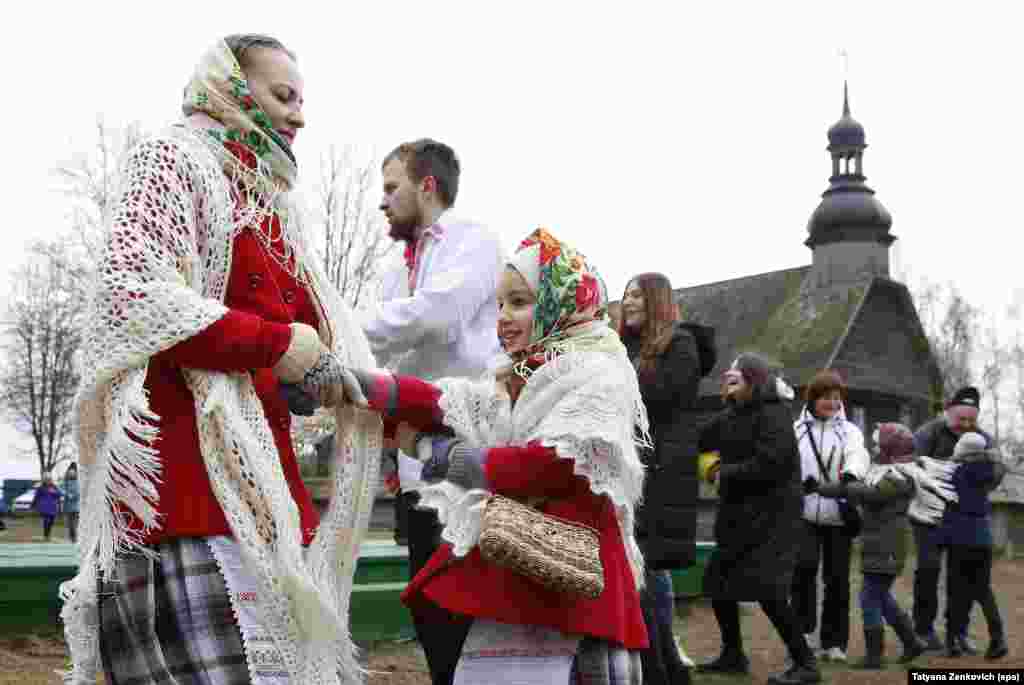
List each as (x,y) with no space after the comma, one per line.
(163,279)
(933,486)
(584,402)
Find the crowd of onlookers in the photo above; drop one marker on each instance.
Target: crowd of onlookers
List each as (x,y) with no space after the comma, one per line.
(938,479)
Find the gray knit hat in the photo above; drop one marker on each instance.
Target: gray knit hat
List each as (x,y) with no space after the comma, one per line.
(970,443)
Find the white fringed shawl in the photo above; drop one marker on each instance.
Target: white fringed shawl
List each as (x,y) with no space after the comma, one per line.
(933,486)
(163,279)
(585,403)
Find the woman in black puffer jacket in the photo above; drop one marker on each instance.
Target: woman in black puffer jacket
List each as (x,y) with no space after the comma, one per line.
(759,523)
(670,357)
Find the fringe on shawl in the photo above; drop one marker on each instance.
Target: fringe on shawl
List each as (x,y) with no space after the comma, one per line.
(933,486)
(116,431)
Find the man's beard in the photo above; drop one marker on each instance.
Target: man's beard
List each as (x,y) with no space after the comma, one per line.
(404,231)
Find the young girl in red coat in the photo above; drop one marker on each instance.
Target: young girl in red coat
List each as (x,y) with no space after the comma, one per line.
(559,423)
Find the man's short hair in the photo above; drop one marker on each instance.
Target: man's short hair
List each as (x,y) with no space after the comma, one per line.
(427,157)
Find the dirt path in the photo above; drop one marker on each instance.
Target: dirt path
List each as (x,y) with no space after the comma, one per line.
(31,660)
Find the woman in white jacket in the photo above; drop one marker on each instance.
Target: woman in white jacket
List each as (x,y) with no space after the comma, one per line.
(831,450)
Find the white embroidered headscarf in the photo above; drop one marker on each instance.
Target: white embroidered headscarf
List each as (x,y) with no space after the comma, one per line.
(580,396)
(161,280)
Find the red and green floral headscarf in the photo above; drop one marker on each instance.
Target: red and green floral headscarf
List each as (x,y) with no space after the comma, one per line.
(219,89)
(568,289)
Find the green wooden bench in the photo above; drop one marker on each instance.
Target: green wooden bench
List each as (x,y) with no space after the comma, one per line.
(30,575)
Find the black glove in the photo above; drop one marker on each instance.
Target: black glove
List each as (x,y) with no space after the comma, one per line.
(848,478)
(300,402)
(810,485)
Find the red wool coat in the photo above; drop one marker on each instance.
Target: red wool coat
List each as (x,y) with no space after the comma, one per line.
(476,588)
(251,338)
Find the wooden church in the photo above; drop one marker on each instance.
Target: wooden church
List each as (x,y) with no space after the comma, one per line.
(842,311)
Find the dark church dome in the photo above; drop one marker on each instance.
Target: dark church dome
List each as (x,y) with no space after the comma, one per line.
(847,131)
(848,208)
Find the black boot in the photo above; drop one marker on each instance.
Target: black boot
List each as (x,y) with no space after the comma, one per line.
(953,647)
(997,647)
(912,645)
(804,669)
(874,646)
(926,606)
(805,673)
(731,660)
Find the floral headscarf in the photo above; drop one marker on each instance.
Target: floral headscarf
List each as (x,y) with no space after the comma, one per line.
(219,89)
(568,289)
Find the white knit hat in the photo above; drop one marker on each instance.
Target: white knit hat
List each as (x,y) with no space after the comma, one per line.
(970,443)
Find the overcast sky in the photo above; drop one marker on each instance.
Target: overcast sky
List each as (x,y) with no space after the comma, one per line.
(687,138)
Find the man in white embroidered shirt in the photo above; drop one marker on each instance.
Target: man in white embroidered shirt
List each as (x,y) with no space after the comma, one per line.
(437,318)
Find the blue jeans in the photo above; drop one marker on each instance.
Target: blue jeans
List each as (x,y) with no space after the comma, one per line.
(877,602)
(660,661)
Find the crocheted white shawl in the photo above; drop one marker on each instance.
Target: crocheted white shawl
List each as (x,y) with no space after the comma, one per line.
(584,401)
(162,280)
(933,485)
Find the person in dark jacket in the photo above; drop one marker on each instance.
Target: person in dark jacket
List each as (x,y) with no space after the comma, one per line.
(47,502)
(670,364)
(968,525)
(71,501)
(759,524)
(885,496)
(936,439)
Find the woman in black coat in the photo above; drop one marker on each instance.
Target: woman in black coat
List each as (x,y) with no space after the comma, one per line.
(759,514)
(670,357)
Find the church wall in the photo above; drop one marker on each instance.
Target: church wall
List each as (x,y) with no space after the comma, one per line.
(845,263)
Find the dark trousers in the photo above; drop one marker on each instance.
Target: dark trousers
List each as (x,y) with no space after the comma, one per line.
(779,612)
(877,602)
(71,520)
(660,662)
(440,632)
(930,548)
(969,580)
(47,525)
(829,547)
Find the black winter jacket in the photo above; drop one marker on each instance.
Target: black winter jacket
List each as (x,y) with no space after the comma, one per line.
(935,440)
(667,518)
(759,523)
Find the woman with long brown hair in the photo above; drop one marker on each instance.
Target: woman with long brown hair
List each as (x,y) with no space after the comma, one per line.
(670,357)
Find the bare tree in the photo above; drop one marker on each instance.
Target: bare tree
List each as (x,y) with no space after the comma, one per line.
(38,374)
(995,357)
(42,336)
(951,324)
(1013,443)
(89,180)
(352,241)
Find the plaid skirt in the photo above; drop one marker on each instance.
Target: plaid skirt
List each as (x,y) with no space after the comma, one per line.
(170,620)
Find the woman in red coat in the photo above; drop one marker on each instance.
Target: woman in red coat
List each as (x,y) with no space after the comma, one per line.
(208,296)
(559,424)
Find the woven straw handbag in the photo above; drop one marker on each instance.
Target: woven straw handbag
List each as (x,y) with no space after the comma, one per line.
(561,555)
